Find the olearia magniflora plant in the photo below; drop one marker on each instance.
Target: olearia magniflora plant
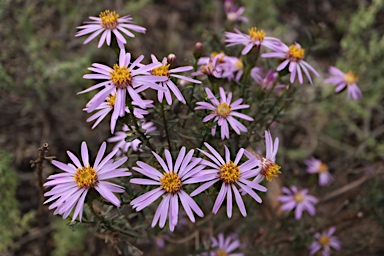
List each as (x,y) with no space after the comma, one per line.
(190,180)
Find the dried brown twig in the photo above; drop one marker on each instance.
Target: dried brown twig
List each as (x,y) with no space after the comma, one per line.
(38,164)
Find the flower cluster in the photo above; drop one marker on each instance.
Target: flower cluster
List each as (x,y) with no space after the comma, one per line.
(227,169)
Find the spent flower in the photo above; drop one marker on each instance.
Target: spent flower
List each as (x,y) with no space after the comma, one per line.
(120,138)
(266,80)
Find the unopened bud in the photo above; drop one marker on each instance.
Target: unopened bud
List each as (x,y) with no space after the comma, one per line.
(198,51)
(171,58)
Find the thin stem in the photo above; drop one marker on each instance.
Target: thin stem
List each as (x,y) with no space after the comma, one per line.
(202,142)
(135,123)
(190,109)
(166,126)
(267,96)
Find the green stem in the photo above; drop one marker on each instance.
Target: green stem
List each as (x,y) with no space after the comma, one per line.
(165,126)
(90,205)
(190,109)
(260,108)
(202,142)
(250,63)
(135,123)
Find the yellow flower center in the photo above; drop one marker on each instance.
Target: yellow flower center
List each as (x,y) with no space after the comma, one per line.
(223,110)
(161,71)
(229,172)
(324,241)
(221,58)
(206,69)
(269,170)
(298,197)
(239,64)
(256,35)
(171,182)
(295,53)
(111,99)
(221,253)
(322,168)
(109,19)
(85,177)
(121,76)
(350,78)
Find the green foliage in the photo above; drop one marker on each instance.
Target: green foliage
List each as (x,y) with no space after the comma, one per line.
(12,225)
(69,239)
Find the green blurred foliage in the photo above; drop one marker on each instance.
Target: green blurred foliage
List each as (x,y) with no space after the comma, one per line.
(12,224)
(69,240)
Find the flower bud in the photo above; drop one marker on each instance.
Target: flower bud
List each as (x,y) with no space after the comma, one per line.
(198,51)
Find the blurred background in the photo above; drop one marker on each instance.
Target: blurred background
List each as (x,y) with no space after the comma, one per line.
(41,69)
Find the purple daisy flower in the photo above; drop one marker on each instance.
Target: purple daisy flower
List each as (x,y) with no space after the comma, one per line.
(234,13)
(104,108)
(222,246)
(122,146)
(71,187)
(292,55)
(123,78)
(325,241)
(223,113)
(168,85)
(232,68)
(343,81)
(299,200)
(254,38)
(211,66)
(317,166)
(170,183)
(230,174)
(220,65)
(107,23)
(267,169)
(266,80)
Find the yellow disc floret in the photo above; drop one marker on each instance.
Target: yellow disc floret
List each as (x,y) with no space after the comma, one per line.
(121,76)
(221,58)
(111,100)
(323,168)
(256,35)
(171,182)
(324,241)
(109,19)
(161,71)
(298,197)
(269,170)
(229,173)
(85,177)
(221,253)
(223,110)
(350,78)
(239,64)
(295,53)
